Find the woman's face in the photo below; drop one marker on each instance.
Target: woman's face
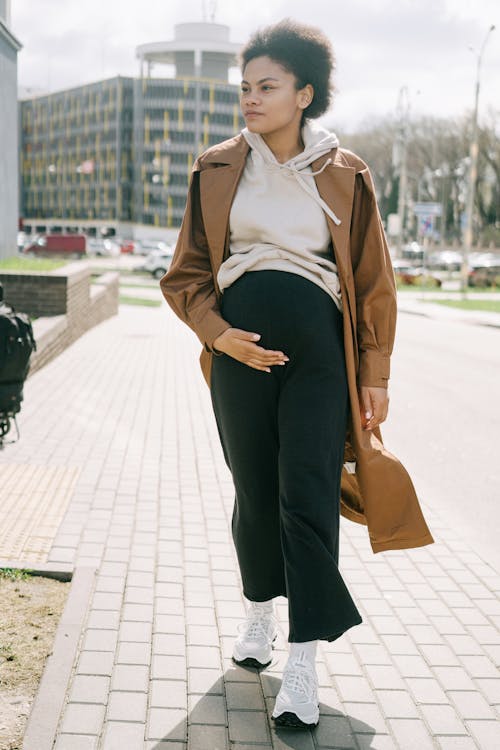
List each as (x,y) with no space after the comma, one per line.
(268,90)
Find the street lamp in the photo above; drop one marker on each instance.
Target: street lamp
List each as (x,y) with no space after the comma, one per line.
(472,171)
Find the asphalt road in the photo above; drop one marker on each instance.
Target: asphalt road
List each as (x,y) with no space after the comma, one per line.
(444,423)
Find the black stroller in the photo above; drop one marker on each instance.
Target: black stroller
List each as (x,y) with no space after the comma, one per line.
(16,345)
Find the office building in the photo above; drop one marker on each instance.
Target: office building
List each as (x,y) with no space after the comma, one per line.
(9,193)
(115,156)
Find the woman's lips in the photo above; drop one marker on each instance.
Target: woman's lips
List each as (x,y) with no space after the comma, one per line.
(253,114)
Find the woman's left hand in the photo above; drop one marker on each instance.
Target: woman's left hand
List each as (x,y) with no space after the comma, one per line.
(374,405)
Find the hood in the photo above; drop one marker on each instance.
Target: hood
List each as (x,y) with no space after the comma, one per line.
(317,142)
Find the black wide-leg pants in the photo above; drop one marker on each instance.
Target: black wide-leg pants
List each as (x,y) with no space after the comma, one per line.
(283,434)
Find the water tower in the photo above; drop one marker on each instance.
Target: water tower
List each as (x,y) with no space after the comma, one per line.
(198,50)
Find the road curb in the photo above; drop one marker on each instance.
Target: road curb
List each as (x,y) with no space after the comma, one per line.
(41,729)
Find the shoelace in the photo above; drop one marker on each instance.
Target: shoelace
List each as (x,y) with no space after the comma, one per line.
(299,677)
(256,623)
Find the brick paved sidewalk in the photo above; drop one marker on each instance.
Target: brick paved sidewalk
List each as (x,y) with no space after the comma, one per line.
(124,417)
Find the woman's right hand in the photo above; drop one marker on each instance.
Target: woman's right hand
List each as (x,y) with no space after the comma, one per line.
(240,345)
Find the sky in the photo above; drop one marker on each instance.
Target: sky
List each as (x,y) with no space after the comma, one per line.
(381,47)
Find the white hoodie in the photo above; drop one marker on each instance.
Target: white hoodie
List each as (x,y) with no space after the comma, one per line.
(277,219)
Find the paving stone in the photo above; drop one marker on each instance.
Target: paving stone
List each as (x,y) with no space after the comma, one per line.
(454,678)
(102,620)
(442,719)
(343,664)
(365,717)
(490,689)
(133,653)
(471,705)
(383,676)
(169,624)
(248,726)
(485,733)
(439,655)
(76,742)
(168,693)
(244,696)
(127,706)
(95,663)
(113,584)
(335,732)
(168,667)
(138,632)
(121,735)
(400,644)
(369,653)
(167,724)
(207,709)
(411,666)
(456,743)
(130,677)
(100,640)
(448,624)
(89,689)
(205,681)
(169,643)
(426,690)
(479,666)
(354,688)
(379,742)
(83,718)
(202,636)
(411,734)
(397,704)
(201,656)
(203,737)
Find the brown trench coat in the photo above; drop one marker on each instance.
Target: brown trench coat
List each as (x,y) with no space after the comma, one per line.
(380,492)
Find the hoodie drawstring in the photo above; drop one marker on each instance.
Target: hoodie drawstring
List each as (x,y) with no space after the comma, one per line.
(299,177)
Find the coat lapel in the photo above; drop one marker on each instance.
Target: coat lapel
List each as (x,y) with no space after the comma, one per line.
(218,184)
(336,186)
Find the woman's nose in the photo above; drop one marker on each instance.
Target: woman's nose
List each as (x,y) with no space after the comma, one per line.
(250,97)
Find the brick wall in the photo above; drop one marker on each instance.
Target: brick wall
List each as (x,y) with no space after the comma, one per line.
(64,303)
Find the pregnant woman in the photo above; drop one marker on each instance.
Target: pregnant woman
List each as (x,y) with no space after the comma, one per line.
(283,272)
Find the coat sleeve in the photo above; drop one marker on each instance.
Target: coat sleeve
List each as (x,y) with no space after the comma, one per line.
(188,285)
(375,286)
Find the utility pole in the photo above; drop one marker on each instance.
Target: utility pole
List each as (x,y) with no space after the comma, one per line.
(474,148)
(401,142)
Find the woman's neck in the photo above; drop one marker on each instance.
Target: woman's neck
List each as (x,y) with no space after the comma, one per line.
(285,143)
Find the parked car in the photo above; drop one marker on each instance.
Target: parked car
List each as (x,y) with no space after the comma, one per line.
(406,273)
(484,271)
(145,247)
(46,245)
(157,262)
(103,247)
(445,260)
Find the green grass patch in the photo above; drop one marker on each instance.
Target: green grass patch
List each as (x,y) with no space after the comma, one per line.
(15,574)
(490,305)
(15,263)
(139,286)
(137,301)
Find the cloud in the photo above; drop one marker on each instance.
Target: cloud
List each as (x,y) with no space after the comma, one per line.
(380,45)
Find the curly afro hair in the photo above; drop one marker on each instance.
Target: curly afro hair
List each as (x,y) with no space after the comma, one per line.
(302,50)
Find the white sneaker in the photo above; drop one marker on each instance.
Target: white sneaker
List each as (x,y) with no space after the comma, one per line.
(297,701)
(254,645)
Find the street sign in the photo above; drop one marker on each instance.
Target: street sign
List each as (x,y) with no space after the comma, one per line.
(427,209)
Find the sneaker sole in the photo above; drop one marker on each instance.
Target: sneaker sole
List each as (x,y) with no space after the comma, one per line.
(292,721)
(250,661)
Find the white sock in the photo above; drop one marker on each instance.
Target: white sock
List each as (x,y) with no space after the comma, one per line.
(267,606)
(307,647)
